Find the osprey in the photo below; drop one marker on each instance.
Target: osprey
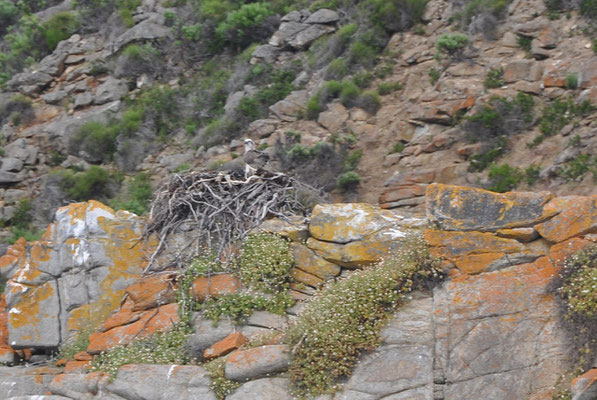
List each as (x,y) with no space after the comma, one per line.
(253,158)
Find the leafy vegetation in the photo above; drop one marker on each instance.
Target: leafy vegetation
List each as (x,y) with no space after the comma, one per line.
(75,344)
(504,177)
(345,319)
(21,223)
(221,386)
(558,114)
(481,16)
(135,195)
(452,44)
(494,78)
(95,183)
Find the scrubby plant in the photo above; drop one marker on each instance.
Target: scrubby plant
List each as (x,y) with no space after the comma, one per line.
(95,183)
(167,347)
(8,15)
(219,384)
(60,27)
(397,148)
(396,15)
(337,69)
(577,167)
(575,290)
(246,25)
(572,81)
(18,110)
(532,174)
(525,42)
(74,345)
(558,114)
(386,88)
(97,140)
(134,195)
(238,307)
(494,78)
(349,180)
(345,319)
(363,79)
(369,101)
(434,75)
(452,44)
(21,223)
(504,177)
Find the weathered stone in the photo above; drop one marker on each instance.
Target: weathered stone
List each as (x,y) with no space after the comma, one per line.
(159,382)
(83,100)
(10,164)
(334,118)
(498,334)
(22,150)
(306,278)
(264,389)
(225,346)
(206,334)
(215,285)
(54,97)
(460,208)
(576,215)
(74,367)
(36,79)
(152,291)
(11,177)
(396,193)
(146,30)
(521,234)
(473,252)
(519,70)
(288,108)
(306,260)
(268,320)
(584,387)
(266,52)
(112,89)
(307,36)
(285,32)
(294,229)
(343,223)
(323,16)
(251,363)
(25,381)
(149,321)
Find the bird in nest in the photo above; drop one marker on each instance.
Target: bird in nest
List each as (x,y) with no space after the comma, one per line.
(254,159)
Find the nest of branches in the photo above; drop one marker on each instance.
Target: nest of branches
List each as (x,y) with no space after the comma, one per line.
(221,208)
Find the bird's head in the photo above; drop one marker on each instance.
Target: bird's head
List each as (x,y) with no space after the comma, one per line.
(249,145)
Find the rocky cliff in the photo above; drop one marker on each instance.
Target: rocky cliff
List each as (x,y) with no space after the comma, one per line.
(494,328)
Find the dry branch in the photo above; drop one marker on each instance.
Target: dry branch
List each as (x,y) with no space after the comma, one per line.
(220,209)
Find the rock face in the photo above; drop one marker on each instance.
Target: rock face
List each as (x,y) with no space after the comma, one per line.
(72,278)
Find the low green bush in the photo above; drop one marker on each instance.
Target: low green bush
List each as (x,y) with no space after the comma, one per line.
(494,78)
(9,14)
(504,178)
(60,27)
(74,345)
(238,307)
(397,148)
(369,101)
(395,15)
(452,43)
(363,79)
(576,168)
(19,110)
(386,88)
(242,26)
(95,183)
(349,93)
(349,180)
(434,75)
(219,384)
(97,140)
(558,114)
(345,318)
(525,43)
(572,81)
(134,195)
(337,69)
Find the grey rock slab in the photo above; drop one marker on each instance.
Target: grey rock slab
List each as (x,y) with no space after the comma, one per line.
(146,30)
(112,89)
(247,364)
(267,319)
(83,100)
(206,334)
(34,78)
(323,16)
(263,389)
(293,16)
(391,369)
(159,382)
(54,97)
(25,381)
(11,177)
(266,52)
(412,325)
(285,32)
(307,36)
(21,150)
(458,208)
(10,164)
(40,397)
(53,64)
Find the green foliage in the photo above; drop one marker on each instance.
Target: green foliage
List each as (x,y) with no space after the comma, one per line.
(386,88)
(75,344)
(525,42)
(97,140)
(349,180)
(397,148)
(95,183)
(362,53)
(571,81)
(396,15)
(532,174)
(98,68)
(345,319)
(575,288)
(181,168)
(475,8)
(280,87)
(337,69)
(166,347)
(23,45)
(236,29)
(576,168)
(363,79)
(21,223)
(351,162)
(369,101)
(18,110)
(265,262)
(349,93)
(451,43)
(135,195)
(60,27)
(504,178)
(238,307)
(221,386)
(494,78)
(314,107)
(2,284)
(8,15)
(588,8)
(558,114)
(434,74)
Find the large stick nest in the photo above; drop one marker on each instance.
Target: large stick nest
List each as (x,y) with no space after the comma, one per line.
(220,209)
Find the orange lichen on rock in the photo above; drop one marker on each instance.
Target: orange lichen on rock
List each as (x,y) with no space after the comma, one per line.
(77,367)
(561,251)
(225,346)
(151,291)
(576,216)
(149,321)
(215,285)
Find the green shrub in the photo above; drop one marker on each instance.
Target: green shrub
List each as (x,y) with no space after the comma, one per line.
(18,110)
(571,81)
(135,195)
(369,101)
(396,15)
(21,223)
(314,107)
(337,69)
(74,345)
(480,16)
(532,174)
(22,47)
(166,347)
(344,320)
(95,183)
(558,114)
(363,79)
(578,167)
(238,307)
(218,383)
(452,43)
(240,28)
(525,43)
(588,8)
(575,289)
(386,88)
(595,46)
(349,180)
(97,140)
(504,178)
(434,75)
(362,53)
(9,14)
(265,262)
(349,93)
(30,235)
(397,148)
(494,78)
(60,27)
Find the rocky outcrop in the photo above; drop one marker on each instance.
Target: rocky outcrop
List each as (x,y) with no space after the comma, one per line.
(74,277)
